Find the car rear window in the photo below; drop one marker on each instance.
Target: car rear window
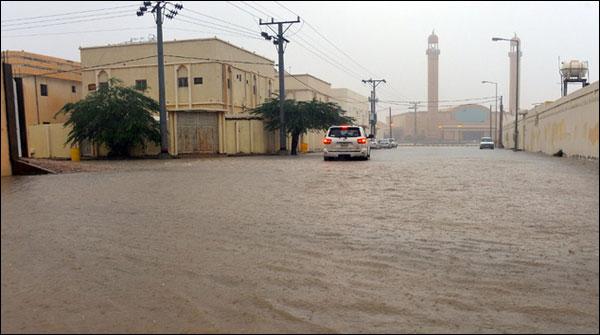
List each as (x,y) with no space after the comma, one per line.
(344,132)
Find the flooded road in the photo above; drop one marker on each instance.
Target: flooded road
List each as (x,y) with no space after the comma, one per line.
(415,240)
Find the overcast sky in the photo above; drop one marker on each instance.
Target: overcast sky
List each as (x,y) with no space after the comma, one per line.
(384,40)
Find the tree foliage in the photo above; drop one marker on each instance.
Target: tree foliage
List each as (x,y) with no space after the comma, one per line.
(117,116)
(301,116)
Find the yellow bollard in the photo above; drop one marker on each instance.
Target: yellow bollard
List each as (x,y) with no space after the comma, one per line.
(303,147)
(75,155)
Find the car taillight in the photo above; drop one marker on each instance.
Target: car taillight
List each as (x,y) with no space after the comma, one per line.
(362,140)
(326,141)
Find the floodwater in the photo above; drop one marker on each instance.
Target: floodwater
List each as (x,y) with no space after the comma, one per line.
(444,239)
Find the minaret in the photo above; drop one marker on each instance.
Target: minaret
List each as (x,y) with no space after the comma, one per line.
(433,55)
(512,88)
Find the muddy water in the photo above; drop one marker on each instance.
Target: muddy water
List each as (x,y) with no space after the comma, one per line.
(415,240)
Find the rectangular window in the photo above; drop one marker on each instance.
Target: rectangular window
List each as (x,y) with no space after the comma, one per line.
(73,89)
(198,81)
(141,85)
(182,82)
(91,87)
(44,90)
(104,85)
(254,89)
(228,83)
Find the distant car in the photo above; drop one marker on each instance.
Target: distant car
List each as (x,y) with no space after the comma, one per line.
(373,144)
(393,143)
(385,143)
(346,142)
(486,143)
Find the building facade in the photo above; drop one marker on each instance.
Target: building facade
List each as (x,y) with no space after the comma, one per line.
(43,85)
(355,105)
(210,87)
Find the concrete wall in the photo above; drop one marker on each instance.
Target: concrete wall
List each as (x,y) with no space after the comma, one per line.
(569,124)
(48,141)
(5,163)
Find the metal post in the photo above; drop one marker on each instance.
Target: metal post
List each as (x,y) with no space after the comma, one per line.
(496,109)
(390,123)
(500,144)
(491,133)
(517,99)
(415,126)
(164,139)
(373,114)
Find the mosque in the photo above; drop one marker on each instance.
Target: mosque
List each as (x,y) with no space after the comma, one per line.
(448,121)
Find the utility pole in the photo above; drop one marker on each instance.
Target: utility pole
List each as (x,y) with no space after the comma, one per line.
(391,123)
(415,103)
(491,132)
(280,41)
(517,96)
(373,99)
(159,9)
(500,144)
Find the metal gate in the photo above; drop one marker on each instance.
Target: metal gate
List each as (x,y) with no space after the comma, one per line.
(197,132)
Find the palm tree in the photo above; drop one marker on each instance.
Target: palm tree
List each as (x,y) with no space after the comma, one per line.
(301,117)
(116,116)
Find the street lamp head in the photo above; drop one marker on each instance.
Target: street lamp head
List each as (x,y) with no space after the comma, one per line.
(495,39)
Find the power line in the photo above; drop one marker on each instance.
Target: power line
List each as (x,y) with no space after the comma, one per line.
(57,20)
(63,23)
(64,14)
(76,32)
(221,20)
(242,9)
(257,10)
(218,27)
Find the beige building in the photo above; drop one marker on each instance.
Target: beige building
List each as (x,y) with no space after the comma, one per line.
(355,105)
(210,87)
(43,85)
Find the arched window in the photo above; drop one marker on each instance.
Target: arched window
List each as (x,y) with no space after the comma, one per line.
(102,79)
(182,76)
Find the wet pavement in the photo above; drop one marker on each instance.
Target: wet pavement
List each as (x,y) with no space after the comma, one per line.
(419,239)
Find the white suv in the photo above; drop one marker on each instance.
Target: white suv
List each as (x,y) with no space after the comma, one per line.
(346,141)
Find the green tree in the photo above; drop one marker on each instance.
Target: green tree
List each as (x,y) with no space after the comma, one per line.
(301,117)
(117,116)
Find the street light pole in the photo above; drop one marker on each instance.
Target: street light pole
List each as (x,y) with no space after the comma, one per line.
(517,97)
